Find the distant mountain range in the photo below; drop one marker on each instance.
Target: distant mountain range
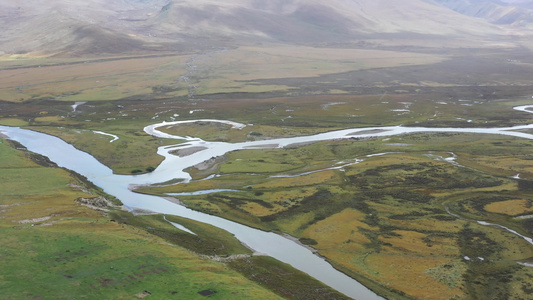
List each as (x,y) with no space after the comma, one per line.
(510,12)
(97,27)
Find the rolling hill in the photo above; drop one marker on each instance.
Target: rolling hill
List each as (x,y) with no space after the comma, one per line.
(508,12)
(97,27)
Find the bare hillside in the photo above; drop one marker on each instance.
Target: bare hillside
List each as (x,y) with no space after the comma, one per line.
(96,27)
(508,12)
(312,20)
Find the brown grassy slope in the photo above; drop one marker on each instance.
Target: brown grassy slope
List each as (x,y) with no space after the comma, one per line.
(234,70)
(52,27)
(497,12)
(95,27)
(312,20)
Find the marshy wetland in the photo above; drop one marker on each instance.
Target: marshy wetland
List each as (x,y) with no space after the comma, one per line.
(403,197)
(404,214)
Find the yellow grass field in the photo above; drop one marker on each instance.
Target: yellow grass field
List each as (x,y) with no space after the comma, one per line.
(86,81)
(232,70)
(338,229)
(412,275)
(511,207)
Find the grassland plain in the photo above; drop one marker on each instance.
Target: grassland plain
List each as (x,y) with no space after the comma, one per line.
(267,118)
(54,247)
(224,70)
(88,79)
(292,204)
(386,220)
(397,236)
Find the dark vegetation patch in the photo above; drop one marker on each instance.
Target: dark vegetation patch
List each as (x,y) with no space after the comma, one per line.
(37,158)
(525,185)
(409,216)
(481,201)
(475,243)
(69,256)
(527,224)
(235,202)
(207,292)
(485,277)
(308,241)
(283,279)
(423,176)
(139,171)
(208,241)
(319,204)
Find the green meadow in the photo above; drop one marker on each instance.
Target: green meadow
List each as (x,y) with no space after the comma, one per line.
(55,248)
(405,223)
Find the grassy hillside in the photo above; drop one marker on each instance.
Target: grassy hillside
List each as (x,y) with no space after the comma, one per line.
(96,27)
(55,247)
(517,13)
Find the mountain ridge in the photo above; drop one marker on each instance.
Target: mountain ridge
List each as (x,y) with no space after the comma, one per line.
(518,13)
(97,27)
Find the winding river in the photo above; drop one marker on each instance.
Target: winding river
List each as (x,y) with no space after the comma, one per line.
(172,167)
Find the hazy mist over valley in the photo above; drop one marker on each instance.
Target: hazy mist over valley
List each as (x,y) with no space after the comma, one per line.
(266,149)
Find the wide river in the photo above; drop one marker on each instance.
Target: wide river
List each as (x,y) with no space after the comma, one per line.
(267,243)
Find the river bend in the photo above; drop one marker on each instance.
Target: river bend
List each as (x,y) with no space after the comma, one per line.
(172,167)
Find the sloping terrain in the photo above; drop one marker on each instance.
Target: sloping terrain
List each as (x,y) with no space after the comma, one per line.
(313,21)
(405,215)
(497,12)
(45,28)
(99,27)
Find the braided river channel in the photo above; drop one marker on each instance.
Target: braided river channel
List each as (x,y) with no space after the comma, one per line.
(172,167)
